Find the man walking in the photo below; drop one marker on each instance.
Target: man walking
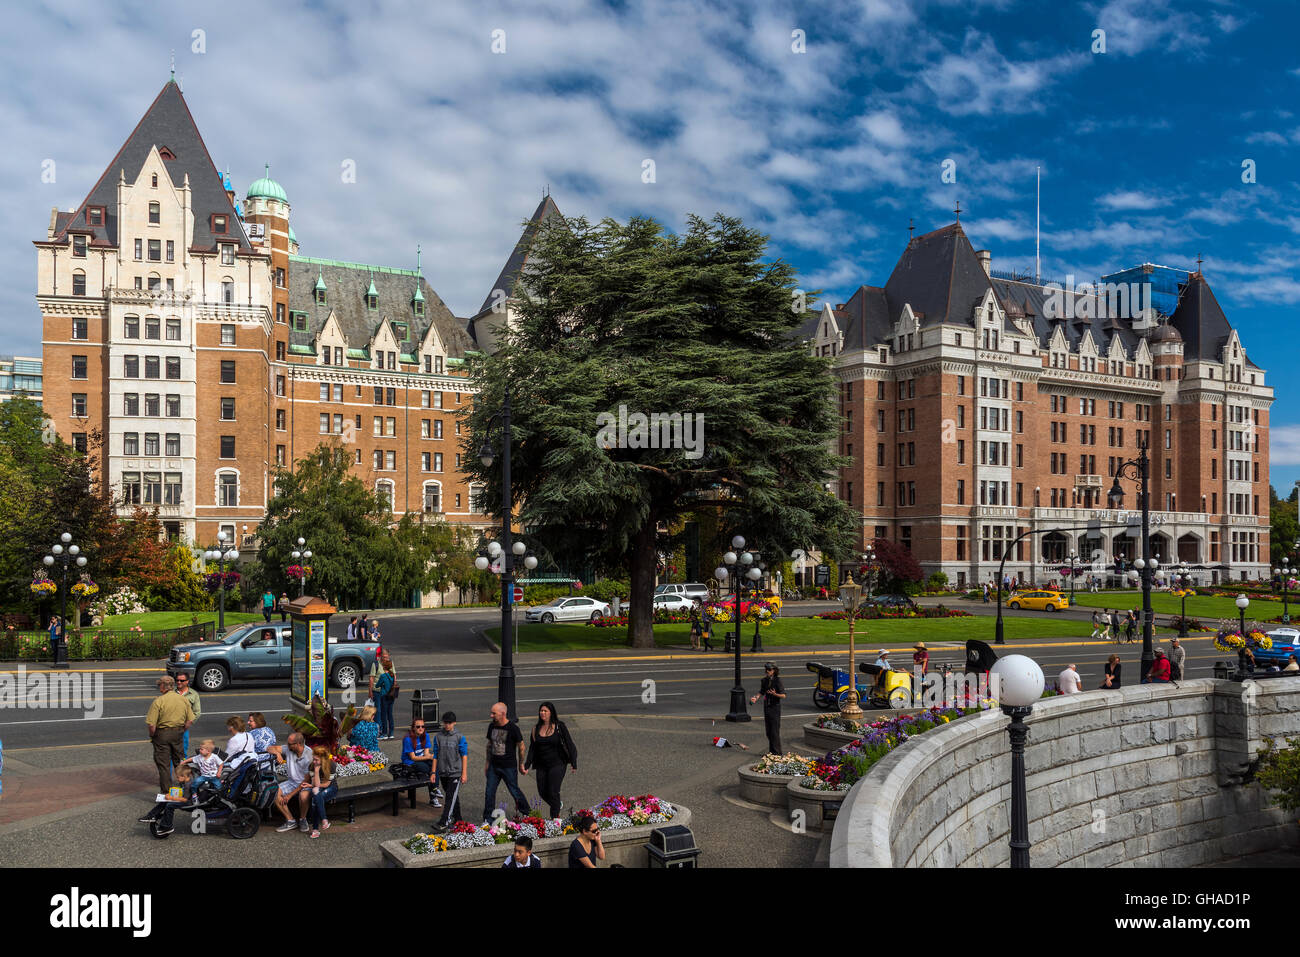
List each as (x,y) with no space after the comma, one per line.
(1114,625)
(505,761)
(169,717)
(268,603)
(1177,656)
(1096,625)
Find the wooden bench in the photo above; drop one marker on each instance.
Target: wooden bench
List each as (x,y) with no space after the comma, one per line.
(395,788)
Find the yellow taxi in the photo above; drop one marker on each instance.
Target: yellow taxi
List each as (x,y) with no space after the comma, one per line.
(1041,600)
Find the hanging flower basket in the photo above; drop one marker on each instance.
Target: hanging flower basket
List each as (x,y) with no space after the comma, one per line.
(1257,639)
(42,586)
(1229,642)
(85,588)
(298,571)
(214,580)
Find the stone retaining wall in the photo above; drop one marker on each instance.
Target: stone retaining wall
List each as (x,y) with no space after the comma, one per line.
(1146,776)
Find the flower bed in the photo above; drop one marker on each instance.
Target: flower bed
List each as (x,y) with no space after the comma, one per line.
(765,782)
(353,760)
(840,769)
(627,821)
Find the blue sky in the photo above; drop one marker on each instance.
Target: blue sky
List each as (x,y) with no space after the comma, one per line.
(830,150)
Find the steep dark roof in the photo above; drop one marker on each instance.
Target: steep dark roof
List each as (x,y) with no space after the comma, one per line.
(515,264)
(345,296)
(1033,299)
(865,319)
(940,276)
(1200,321)
(167,123)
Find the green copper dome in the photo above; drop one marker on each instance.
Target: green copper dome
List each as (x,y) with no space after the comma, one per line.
(292,237)
(266,188)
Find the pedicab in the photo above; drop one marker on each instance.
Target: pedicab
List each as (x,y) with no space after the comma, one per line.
(832,687)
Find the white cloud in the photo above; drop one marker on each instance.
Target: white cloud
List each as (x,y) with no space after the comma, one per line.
(885,129)
(1132,199)
(1284,445)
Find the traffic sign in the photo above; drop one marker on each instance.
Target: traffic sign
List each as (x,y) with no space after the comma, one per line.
(518,595)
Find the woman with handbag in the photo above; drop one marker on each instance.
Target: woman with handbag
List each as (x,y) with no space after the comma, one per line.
(384,690)
(550,750)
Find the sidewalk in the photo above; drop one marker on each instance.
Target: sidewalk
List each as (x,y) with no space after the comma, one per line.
(672,757)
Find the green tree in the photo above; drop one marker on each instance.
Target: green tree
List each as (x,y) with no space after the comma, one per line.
(695,324)
(178,587)
(1284,529)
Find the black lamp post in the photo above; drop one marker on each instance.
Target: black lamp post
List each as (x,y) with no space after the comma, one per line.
(1285,571)
(737,566)
(1139,469)
(508,552)
(65,553)
(1074,557)
(1019,683)
(221,555)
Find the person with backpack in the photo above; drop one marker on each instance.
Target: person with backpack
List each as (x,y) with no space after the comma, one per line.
(451,757)
(383,691)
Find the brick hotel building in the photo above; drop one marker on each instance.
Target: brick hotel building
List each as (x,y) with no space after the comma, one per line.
(977,406)
(186,329)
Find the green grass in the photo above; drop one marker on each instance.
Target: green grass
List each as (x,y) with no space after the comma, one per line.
(162,620)
(793,632)
(1209,609)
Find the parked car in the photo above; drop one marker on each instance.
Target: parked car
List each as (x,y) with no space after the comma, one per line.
(259,652)
(893,602)
(568,609)
(1286,642)
(1039,600)
(673,603)
(690,590)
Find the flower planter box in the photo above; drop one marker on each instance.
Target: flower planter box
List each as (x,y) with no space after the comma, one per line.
(813,804)
(625,846)
(822,740)
(766,789)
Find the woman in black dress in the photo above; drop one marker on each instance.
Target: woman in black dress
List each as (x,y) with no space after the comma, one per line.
(1112,676)
(586,848)
(550,750)
(696,630)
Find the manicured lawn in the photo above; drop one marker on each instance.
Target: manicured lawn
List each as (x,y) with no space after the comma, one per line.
(1208,609)
(793,632)
(162,620)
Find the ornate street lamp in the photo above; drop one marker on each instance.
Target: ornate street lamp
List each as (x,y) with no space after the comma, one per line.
(1285,571)
(65,553)
(506,556)
(851,598)
(221,555)
(1139,469)
(1182,587)
(737,566)
(1016,682)
(300,558)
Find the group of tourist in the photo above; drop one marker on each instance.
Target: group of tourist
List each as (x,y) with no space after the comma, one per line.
(269,605)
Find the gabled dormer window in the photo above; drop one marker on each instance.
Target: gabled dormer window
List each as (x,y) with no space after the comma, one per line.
(372,302)
(399,330)
(95,215)
(166,154)
(419,307)
(219,223)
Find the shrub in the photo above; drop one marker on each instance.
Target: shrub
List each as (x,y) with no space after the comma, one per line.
(607,590)
(937,581)
(123,601)
(1279,772)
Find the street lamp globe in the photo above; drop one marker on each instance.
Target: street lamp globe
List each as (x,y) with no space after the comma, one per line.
(233,556)
(81,561)
(519,548)
(481,563)
(1016,681)
(73,550)
(48,560)
(494,549)
(1243,602)
(729,558)
(747,559)
(306,554)
(738,542)
(1139,564)
(720,573)
(530,562)
(486,456)
(754,574)
(57,549)
(65,537)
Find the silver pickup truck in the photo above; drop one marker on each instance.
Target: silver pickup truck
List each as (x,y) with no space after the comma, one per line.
(260,652)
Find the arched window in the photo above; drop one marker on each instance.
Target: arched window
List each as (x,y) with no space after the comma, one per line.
(228,489)
(433,497)
(384,492)
(78,283)
(227,291)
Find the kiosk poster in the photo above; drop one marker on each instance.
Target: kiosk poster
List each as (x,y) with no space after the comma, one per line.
(316,673)
(298,685)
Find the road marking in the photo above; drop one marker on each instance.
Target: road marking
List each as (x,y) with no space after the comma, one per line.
(604,697)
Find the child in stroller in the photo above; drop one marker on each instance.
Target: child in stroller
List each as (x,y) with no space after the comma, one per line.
(237,802)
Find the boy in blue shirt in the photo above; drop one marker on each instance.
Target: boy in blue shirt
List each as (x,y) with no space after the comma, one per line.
(451,756)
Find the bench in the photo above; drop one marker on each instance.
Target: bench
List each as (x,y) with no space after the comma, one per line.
(395,788)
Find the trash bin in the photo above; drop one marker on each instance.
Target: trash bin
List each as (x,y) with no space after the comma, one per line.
(1221,670)
(424,706)
(673,846)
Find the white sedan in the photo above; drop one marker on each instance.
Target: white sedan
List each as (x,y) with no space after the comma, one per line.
(568,609)
(673,603)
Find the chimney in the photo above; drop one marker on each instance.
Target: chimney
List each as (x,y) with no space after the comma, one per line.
(986,259)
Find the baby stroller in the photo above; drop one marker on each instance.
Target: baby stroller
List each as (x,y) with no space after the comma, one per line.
(238,802)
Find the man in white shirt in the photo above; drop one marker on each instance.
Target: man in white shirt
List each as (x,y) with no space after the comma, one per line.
(1069,680)
(297,760)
